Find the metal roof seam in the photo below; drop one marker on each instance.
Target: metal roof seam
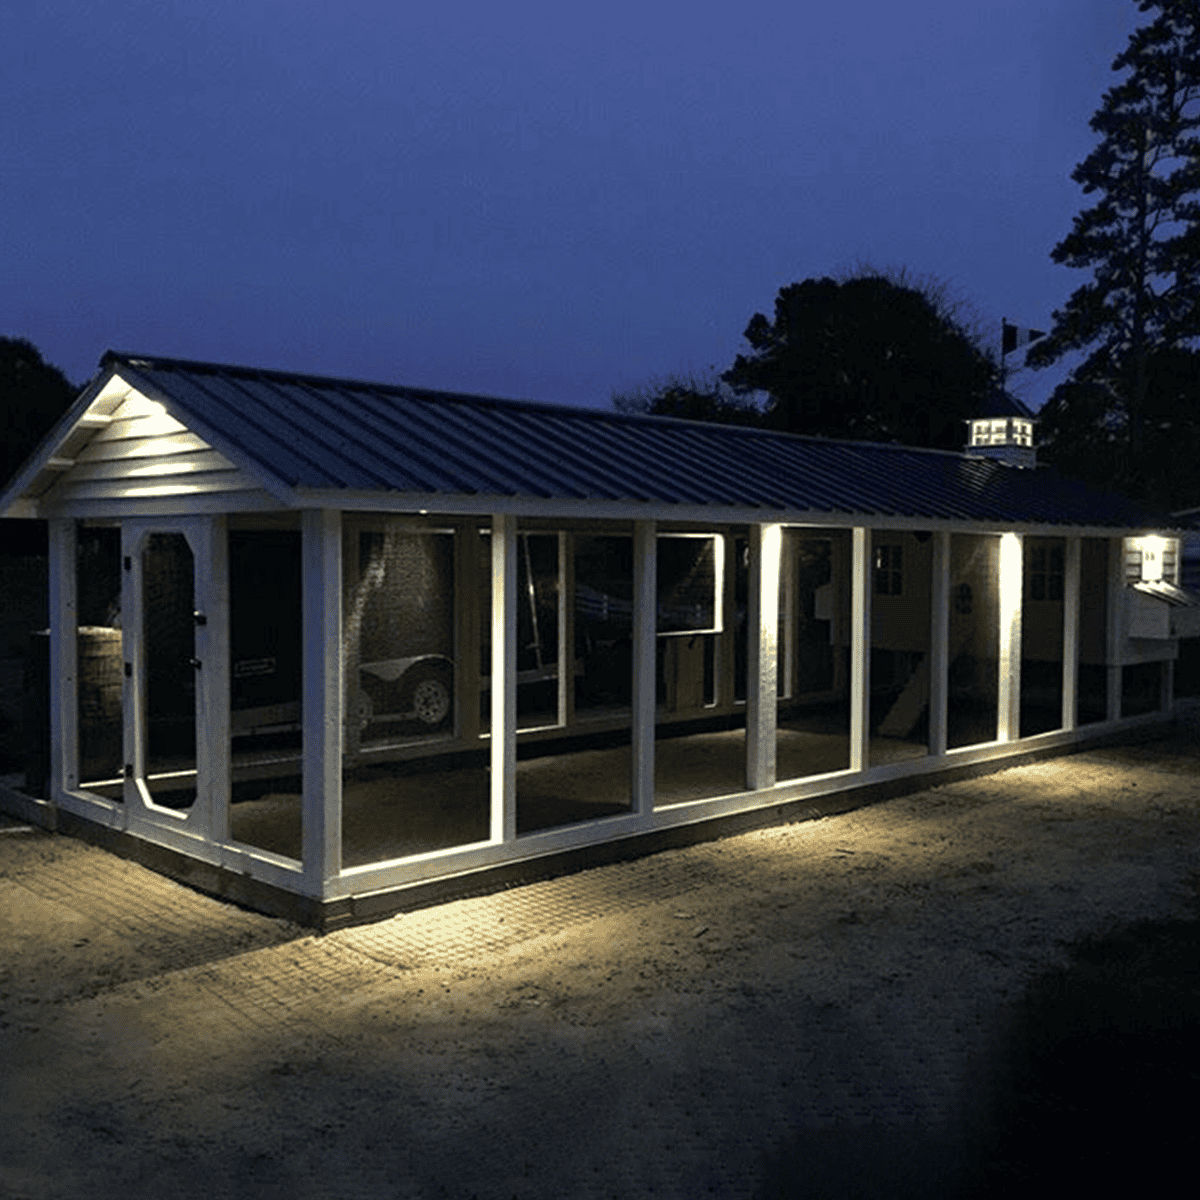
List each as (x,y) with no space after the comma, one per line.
(258,413)
(627,468)
(414,448)
(622,469)
(499,443)
(422,433)
(693,466)
(557,445)
(218,435)
(234,412)
(342,441)
(305,429)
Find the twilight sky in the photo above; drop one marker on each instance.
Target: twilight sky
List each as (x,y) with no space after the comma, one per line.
(526,199)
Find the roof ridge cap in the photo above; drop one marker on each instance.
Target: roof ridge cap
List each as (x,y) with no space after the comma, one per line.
(135,361)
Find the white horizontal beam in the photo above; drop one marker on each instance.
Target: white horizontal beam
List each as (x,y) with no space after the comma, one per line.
(663,511)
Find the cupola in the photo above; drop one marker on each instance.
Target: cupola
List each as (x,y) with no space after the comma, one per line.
(1003,430)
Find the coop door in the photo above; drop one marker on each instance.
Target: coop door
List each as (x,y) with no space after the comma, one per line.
(165,647)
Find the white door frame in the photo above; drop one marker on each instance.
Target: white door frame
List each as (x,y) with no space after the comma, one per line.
(208,817)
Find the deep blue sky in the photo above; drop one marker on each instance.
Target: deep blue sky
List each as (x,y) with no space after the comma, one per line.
(526,199)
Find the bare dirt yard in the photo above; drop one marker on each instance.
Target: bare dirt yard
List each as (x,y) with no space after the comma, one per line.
(985,986)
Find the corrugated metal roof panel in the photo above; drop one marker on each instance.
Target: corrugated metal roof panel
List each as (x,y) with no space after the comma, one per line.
(329,434)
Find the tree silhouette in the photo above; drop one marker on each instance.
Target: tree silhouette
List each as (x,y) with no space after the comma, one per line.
(871,357)
(1084,431)
(1141,239)
(33,395)
(702,398)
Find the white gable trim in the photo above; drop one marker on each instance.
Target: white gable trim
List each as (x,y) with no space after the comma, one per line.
(119,448)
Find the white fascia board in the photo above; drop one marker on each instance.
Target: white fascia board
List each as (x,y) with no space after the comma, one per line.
(20,509)
(189,505)
(12,502)
(267,480)
(466,504)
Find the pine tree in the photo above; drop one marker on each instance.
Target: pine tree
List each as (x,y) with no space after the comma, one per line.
(1142,238)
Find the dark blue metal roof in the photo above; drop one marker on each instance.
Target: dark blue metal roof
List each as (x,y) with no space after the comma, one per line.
(315,433)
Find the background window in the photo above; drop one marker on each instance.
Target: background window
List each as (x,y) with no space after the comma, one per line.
(1046,572)
(888,570)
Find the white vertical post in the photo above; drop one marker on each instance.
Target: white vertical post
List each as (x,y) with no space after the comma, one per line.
(860,649)
(1070,650)
(645,605)
(467,633)
(939,641)
(1011,581)
(786,684)
(725,682)
(323,690)
(1114,639)
(213,756)
(354,585)
(566,632)
(503,747)
(133,653)
(64,652)
(762,655)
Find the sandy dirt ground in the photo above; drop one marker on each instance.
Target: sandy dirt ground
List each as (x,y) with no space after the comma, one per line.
(809,1010)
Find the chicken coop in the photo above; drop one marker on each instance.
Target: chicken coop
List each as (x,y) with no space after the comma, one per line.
(335,648)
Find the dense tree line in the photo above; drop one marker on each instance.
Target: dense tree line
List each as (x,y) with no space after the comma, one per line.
(871,356)
(33,395)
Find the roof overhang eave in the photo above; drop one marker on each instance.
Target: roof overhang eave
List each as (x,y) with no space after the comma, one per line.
(464,505)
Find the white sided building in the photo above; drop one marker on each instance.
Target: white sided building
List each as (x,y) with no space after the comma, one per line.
(335,649)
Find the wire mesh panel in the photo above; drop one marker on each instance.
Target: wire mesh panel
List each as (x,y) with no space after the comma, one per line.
(99,676)
(813,731)
(974,652)
(700,748)
(603,607)
(586,775)
(399,633)
(538,599)
(1042,609)
(265,686)
(901,614)
(409,786)
(1092,703)
(168,632)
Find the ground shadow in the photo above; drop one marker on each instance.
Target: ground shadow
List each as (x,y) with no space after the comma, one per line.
(1095,1073)
(1087,1086)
